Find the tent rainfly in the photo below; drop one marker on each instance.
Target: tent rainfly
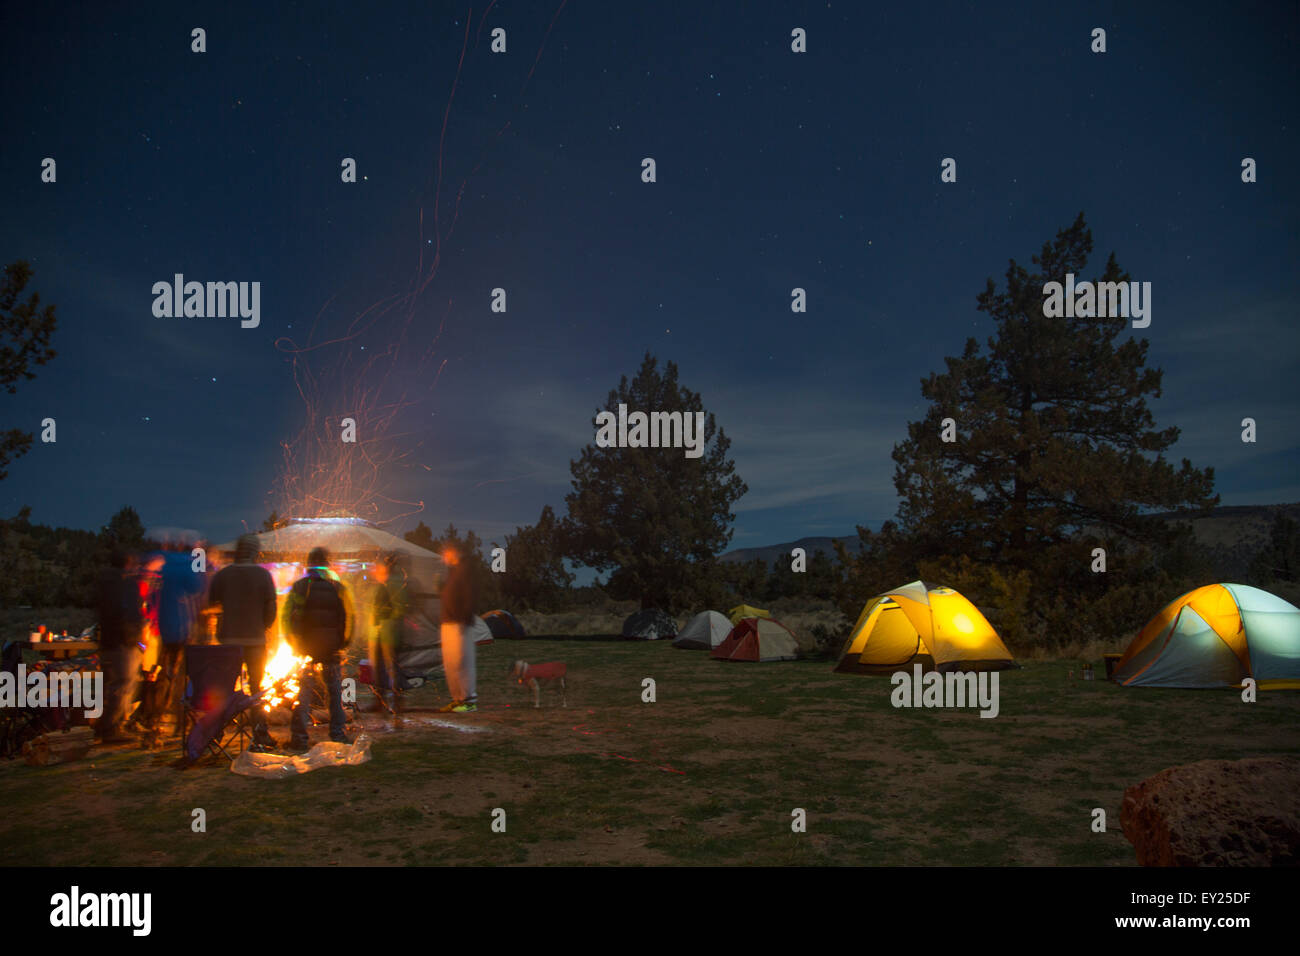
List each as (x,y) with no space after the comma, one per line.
(1216,636)
(919,623)
(742,611)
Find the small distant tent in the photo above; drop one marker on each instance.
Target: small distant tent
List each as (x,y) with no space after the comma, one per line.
(758,639)
(742,611)
(919,623)
(704,632)
(503,624)
(478,631)
(651,624)
(1216,636)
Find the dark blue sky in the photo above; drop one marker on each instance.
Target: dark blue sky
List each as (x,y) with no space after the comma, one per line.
(775,170)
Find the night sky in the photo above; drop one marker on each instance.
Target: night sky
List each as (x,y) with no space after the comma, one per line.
(775,170)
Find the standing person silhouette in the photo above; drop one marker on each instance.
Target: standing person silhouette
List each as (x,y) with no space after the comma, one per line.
(318,618)
(245,592)
(391,603)
(458,653)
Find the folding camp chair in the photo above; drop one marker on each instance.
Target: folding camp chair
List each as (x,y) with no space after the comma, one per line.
(214,713)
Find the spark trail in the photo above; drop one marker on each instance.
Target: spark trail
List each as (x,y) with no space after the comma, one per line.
(379,367)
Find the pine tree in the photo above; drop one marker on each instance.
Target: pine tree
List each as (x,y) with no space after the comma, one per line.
(652,516)
(1054,434)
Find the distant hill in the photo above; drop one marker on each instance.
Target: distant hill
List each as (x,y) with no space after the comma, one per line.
(1232,534)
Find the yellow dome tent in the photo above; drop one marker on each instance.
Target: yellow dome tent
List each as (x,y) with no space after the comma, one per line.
(742,611)
(917,623)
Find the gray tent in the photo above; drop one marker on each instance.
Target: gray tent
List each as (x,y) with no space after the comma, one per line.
(704,632)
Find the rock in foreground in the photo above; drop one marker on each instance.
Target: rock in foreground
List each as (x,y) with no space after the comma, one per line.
(1217,813)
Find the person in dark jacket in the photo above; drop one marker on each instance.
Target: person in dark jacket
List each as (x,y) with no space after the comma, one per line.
(458,654)
(318,619)
(245,593)
(121,622)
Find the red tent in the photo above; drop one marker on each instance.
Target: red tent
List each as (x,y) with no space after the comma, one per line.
(758,639)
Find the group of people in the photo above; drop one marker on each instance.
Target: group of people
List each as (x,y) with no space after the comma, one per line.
(161,598)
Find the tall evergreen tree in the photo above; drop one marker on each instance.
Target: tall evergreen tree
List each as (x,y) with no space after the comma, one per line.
(652,516)
(1054,434)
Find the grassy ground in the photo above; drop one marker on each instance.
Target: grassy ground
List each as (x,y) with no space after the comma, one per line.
(708,774)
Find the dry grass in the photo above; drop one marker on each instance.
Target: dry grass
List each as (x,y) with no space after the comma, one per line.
(708,774)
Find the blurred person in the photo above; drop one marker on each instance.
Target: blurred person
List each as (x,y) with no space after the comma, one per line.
(121,620)
(245,593)
(147,577)
(318,619)
(390,605)
(459,654)
(179,593)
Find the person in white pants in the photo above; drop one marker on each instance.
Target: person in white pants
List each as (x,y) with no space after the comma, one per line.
(458,653)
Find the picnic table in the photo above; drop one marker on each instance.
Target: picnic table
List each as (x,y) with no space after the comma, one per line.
(62,650)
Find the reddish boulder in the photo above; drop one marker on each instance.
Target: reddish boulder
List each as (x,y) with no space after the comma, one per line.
(1217,813)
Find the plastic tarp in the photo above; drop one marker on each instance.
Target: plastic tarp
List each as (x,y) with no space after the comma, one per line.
(325,754)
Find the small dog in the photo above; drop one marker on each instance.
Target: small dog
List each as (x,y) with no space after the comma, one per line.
(534,674)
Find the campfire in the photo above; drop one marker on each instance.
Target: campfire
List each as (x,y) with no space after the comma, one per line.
(281,679)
